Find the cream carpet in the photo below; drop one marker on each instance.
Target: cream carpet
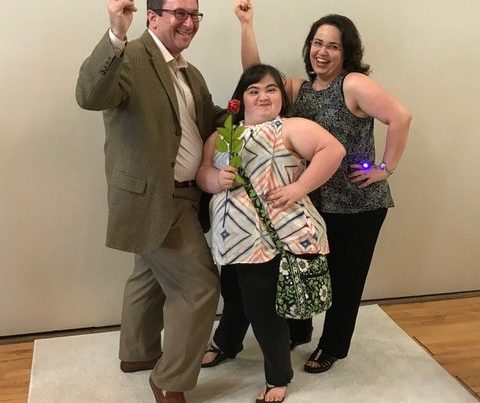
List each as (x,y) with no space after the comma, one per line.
(384,365)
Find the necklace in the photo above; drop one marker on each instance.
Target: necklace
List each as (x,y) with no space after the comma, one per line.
(319,87)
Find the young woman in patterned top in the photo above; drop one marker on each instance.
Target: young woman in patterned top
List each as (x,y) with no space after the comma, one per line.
(274,154)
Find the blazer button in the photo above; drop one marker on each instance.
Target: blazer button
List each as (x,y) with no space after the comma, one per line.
(172,164)
(178,133)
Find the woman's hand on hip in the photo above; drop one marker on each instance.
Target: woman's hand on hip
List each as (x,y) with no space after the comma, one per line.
(364,177)
(286,196)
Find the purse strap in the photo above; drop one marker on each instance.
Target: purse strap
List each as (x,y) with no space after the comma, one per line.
(257,203)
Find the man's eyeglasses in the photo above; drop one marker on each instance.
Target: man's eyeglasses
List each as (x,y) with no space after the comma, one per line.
(182,15)
(331,47)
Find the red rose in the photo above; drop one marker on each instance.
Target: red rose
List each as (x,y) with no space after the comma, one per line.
(233,106)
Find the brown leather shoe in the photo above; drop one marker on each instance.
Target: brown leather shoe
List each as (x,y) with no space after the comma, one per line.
(134,366)
(163,396)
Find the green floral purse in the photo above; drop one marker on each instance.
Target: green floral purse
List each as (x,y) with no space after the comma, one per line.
(303,287)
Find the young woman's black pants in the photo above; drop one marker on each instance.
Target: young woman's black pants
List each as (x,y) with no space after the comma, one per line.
(249,292)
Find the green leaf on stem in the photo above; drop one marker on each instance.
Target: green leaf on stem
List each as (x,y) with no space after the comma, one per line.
(225,134)
(221,145)
(237,145)
(239,180)
(236,161)
(229,123)
(238,131)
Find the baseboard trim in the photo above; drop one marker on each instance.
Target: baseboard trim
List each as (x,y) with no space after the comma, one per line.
(25,338)
(422,298)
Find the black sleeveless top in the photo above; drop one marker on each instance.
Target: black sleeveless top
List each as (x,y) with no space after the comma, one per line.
(327,107)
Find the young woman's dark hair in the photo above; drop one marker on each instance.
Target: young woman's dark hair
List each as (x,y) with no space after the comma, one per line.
(252,75)
(351,45)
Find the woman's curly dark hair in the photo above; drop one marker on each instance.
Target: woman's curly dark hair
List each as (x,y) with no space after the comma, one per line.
(351,45)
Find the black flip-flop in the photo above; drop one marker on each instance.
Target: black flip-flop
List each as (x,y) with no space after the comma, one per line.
(217,360)
(268,389)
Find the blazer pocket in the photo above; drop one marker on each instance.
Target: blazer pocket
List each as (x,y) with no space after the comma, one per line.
(121,180)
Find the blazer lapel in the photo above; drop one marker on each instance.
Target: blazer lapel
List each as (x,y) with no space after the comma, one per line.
(162,70)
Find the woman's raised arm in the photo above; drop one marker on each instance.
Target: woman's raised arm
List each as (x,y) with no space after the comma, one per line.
(249,49)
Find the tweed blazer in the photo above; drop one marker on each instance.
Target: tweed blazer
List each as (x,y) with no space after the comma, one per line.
(142,125)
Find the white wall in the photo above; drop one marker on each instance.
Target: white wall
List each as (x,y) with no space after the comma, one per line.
(56,273)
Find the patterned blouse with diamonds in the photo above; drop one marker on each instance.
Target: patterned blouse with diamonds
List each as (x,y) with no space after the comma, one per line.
(238,234)
(327,107)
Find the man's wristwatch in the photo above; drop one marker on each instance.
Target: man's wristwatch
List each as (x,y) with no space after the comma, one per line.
(385,168)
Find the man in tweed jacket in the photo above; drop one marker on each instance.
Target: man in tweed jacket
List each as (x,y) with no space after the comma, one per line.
(157,111)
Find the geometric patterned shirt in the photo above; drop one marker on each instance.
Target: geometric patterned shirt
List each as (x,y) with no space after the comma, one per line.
(238,233)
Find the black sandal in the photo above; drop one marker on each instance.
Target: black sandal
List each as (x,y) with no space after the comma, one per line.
(268,389)
(220,357)
(325,362)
